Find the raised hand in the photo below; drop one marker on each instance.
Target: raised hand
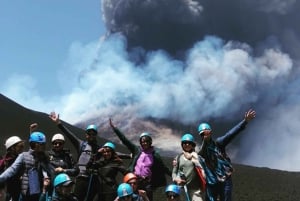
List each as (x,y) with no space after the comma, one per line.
(250,114)
(33,127)
(54,117)
(111,123)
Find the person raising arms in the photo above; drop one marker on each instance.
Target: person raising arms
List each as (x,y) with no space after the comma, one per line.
(218,167)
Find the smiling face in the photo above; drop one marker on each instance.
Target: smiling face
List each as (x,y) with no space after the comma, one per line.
(107,153)
(58,145)
(187,146)
(145,142)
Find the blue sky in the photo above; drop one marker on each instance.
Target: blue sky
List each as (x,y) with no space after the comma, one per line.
(36,37)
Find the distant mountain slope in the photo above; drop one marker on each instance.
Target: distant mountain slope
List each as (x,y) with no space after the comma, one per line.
(15,120)
(250,183)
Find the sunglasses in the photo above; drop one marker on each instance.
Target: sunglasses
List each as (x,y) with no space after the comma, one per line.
(57,143)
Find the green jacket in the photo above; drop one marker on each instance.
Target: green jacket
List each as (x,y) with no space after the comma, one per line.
(159,169)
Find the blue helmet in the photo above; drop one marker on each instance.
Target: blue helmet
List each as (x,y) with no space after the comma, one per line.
(203,126)
(38,137)
(124,189)
(92,127)
(173,188)
(110,145)
(62,179)
(188,138)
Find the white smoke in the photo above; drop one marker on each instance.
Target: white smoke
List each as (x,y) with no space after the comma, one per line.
(216,79)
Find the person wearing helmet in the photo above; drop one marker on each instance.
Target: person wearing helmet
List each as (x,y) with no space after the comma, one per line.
(173,192)
(87,150)
(184,170)
(147,163)
(14,146)
(124,192)
(33,165)
(218,167)
(138,194)
(60,158)
(105,170)
(63,186)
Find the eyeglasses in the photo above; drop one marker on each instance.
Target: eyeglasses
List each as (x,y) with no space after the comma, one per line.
(57,143)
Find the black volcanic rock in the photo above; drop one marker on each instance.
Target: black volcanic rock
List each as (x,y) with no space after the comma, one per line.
(250,183)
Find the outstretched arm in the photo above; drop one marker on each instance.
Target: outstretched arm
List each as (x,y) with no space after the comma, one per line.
(132,148)
(232,133)
(76,141)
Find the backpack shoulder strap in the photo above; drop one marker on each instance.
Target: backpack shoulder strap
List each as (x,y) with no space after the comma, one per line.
(82,147)
(177,159)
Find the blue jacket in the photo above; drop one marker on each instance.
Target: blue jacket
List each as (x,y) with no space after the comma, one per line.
(217,164)
(25,162)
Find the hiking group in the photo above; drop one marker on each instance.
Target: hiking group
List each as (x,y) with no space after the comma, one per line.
(38,174)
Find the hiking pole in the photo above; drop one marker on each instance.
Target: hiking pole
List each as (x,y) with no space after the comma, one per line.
(182,176)
(186,193)
(89,188)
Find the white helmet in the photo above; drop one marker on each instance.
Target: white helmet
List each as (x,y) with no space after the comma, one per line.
(12,141)
(58,136)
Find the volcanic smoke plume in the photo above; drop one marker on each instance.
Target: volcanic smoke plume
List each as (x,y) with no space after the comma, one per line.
(164,66)
(175,25)
(209,60)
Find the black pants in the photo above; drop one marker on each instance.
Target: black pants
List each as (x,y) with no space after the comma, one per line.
(86,187)
(30,197)
(145,184)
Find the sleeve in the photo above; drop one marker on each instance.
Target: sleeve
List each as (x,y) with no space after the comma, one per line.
(121,168)
(224,140)
(73,169)
(164,169)
(76,141)
(13,169)
(130,146)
